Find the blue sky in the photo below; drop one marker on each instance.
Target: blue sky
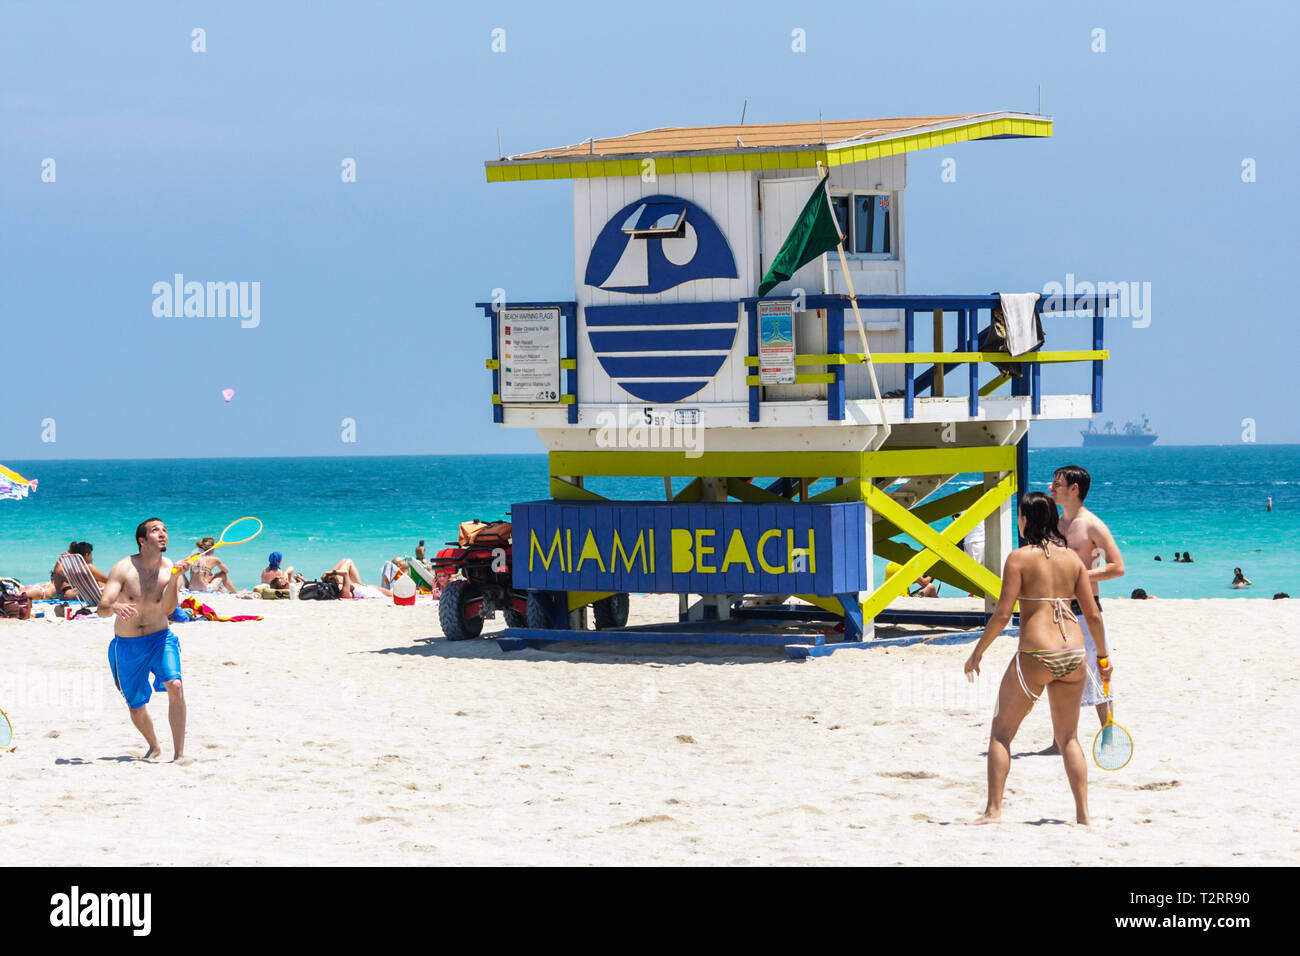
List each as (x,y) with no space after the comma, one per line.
(225,166)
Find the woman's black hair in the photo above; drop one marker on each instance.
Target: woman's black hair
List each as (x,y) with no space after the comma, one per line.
(1039,512)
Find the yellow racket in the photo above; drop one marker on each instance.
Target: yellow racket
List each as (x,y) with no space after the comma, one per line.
(6,732)
(237,532)
(1112,748)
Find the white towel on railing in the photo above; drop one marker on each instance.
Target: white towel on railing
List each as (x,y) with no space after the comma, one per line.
(1022,330)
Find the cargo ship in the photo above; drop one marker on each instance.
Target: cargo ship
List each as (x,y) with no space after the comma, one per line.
(1133,435)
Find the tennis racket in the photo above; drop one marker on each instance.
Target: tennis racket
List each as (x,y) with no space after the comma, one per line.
(237,532)
(6,731)
(1112,748)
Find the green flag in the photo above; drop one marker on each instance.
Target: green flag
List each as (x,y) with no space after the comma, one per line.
(814,232)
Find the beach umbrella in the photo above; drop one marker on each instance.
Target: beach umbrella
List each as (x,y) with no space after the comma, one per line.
(14,485)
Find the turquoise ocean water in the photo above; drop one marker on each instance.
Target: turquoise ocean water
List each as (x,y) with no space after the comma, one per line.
(1207,500)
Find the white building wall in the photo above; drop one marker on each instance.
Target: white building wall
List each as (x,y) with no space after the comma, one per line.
(868,276)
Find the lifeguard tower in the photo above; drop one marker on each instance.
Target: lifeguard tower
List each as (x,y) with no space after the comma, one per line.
(790,469)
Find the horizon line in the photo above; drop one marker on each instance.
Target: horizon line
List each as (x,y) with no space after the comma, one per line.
(504,454)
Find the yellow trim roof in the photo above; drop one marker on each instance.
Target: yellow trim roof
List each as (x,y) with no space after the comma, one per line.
(762,146)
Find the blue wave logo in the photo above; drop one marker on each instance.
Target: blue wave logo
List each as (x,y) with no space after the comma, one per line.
(657,243)
(660,352)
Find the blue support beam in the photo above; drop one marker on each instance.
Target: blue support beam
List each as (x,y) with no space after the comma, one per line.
(970,324)
(909,345)
(498,410)
(854,627)
(570,313)
(835,346)
(1098,313)
(751,315)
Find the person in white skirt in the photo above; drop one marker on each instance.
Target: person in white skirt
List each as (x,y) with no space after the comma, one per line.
(1089,538)
(973,544)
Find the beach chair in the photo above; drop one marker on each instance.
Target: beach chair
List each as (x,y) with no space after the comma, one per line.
(82,581)
(423,577)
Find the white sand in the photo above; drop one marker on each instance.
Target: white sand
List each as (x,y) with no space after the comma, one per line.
(329,733)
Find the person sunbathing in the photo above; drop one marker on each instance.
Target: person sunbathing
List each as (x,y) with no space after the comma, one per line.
(345,578)
(278,577)
(1043,575)
(391,570)
(38,592)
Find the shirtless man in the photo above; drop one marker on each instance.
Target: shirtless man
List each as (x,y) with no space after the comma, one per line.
(140,594)
(1089,538)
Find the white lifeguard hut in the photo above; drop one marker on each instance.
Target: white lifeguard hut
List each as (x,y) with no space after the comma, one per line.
(767,401)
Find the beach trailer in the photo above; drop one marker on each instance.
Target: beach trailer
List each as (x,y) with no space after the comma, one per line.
(795,435)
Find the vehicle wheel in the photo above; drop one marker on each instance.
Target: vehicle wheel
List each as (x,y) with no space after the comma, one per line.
(515,618)
(539,613)
(611,611)
(456,623)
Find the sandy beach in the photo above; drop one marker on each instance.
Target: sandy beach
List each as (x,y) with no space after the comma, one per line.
(353,733)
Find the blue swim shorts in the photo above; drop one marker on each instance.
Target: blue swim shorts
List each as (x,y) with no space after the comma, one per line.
(132,659)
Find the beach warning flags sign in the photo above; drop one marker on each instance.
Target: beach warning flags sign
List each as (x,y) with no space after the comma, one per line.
(815,231)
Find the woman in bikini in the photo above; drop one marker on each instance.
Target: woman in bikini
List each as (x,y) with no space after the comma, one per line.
(345,577)
(207,573)
(1043,575)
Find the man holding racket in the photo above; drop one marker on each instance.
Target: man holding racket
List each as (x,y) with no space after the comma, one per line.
(141,594)
(1089,538)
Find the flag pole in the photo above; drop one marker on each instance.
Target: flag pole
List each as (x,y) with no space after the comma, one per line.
(866,349)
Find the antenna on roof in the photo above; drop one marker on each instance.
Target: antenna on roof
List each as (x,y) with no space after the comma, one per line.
(591,145)
(1040,99)
(500,155)
(742,112)
(821,127)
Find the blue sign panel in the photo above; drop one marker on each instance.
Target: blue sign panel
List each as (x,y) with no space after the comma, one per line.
(673,547)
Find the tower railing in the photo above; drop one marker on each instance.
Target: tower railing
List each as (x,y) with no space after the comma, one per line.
(937,362)
(923,371)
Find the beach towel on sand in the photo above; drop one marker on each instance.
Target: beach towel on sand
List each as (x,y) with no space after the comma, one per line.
(200,609)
